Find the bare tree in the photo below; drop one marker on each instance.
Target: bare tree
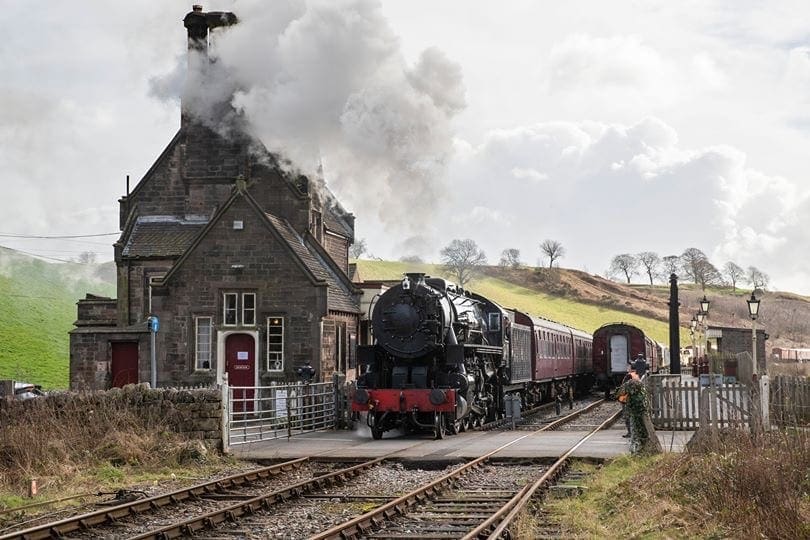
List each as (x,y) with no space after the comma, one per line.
(358,249)
(691,261)
(86,257)
(553,249)
(625,264)
(757,278)
(706,274)
(462,259)
(734,273)
(510,257)
(650,262)
(671,265)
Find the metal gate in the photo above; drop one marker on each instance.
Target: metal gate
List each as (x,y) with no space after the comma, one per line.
(281,410)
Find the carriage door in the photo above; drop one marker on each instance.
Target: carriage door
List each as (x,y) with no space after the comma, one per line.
(618,354)
(124,365)
(240,363)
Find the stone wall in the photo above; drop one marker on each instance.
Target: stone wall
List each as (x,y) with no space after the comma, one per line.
(194,414)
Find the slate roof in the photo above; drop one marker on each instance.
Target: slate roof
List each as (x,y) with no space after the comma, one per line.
(338,297)
(334,221)
(161,236)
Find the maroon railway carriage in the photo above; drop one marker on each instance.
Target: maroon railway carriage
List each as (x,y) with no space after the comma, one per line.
(615,345)
(560,358)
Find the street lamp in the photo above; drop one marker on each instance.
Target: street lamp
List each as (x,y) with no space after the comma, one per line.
(704,305)
(692,330)
(753,312)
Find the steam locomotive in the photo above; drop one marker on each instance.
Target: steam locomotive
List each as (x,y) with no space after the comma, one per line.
(445,359)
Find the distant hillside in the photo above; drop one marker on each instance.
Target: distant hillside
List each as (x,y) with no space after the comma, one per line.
(38,306)
(586,301)
(37,310)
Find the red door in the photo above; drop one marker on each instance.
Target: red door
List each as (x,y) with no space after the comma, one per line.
(240,363)
(124,368)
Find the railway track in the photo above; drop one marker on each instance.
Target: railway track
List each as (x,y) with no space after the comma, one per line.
(271,498)
(457,505)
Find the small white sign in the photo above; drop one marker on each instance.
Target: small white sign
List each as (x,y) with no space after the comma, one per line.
(281,403)
(241,355)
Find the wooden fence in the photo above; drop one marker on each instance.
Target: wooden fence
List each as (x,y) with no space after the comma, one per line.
(790,401)
(685,405)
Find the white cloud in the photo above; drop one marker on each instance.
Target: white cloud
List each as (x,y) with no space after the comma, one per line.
(658,125)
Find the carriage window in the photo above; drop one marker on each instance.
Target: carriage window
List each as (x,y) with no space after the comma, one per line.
(494,322)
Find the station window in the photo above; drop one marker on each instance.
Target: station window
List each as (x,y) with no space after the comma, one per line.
(248,309)
(239,309)
(275,344)
(203,327)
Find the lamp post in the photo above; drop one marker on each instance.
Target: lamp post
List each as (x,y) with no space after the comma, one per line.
(692,330)
(753,312)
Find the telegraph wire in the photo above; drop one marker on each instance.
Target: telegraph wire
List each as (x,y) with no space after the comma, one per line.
(57,237)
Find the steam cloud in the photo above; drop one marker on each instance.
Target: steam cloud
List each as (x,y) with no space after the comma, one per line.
(324,81)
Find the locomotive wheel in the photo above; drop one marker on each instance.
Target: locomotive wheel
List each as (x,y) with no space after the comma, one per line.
(465,424)
(454,427)
(438,425)
(376,430)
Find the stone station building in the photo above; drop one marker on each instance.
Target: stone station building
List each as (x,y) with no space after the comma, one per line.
(243,263)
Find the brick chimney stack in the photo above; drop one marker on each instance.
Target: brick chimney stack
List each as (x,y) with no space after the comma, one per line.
(199,25)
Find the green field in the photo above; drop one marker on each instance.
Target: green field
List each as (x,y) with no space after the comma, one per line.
(586,317)
(37,310)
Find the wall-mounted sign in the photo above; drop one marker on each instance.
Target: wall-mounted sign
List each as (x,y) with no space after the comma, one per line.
(241,355)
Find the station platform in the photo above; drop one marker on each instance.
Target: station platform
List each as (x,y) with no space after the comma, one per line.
(358,444)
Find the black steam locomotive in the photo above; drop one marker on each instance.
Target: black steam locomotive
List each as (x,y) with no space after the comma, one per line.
(439,362)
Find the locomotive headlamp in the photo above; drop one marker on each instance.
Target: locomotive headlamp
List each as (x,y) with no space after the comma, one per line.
(406,284)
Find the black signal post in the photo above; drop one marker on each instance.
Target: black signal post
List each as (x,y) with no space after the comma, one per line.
(674,327)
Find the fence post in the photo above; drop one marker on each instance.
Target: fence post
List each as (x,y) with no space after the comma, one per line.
(765,393)
(226,414)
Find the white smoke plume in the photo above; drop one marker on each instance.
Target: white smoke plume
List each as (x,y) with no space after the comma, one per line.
(325,82)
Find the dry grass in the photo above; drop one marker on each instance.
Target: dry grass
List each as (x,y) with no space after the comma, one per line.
(63,442)
(729,485)
(789,368)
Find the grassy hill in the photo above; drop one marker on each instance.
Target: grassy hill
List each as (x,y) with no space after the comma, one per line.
(586,301)
(37,310)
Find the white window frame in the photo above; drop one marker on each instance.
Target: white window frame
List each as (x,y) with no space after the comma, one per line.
(273,360)
(251,310)
(198,359)
(225,297)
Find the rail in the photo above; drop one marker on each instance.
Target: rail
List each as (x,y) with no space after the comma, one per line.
(361,525)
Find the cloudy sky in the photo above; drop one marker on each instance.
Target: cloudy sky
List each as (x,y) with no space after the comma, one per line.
(612,127)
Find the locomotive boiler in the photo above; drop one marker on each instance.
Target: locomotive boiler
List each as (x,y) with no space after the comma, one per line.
(438,359)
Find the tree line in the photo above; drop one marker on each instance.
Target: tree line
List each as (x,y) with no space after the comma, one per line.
(692,264)
(462,258)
